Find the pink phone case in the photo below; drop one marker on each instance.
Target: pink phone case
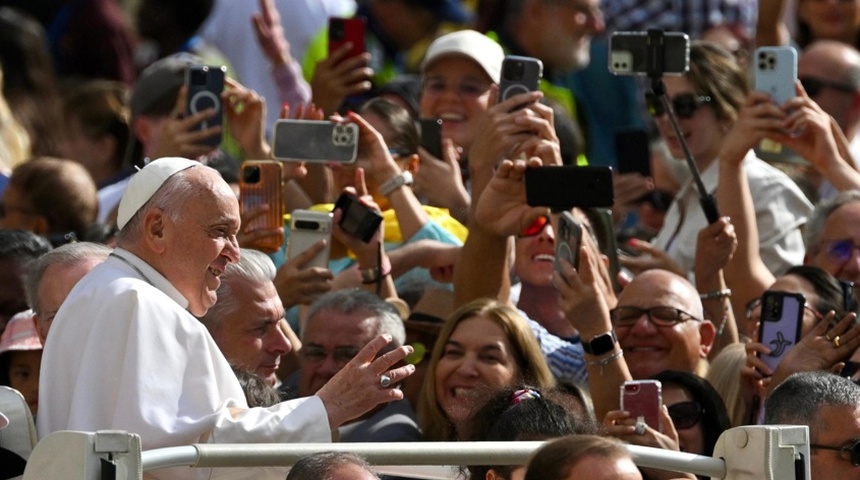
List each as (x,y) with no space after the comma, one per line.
(643,398)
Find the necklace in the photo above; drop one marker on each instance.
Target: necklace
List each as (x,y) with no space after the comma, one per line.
(133,266)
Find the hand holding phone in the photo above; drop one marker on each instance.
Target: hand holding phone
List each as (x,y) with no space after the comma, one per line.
(519,75)
(568,242)
(205,84)
(261,183)
(780,324)
(307,227)
(346,30)
(357,219)
(643,398)
(776,72)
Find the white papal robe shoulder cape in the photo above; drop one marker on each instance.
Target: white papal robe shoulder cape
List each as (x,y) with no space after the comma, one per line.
(123,353)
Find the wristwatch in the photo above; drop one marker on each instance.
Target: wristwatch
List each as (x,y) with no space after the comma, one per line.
(600,344)
(403,178)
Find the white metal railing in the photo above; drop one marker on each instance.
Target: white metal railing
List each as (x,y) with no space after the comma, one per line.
(759,452)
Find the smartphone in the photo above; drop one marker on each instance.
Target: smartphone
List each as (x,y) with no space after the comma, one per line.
(261,182)
(633,151)
(318,141)
(567,186)
(205,84)
(643,398)
(604,229)
(358,219)
(519,75)
(431,135)
(568,241)
(776,72)
(307,227)
(632,53)
(780,324)
(343,30)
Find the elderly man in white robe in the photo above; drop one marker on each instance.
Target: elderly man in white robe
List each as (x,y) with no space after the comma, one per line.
(126,352)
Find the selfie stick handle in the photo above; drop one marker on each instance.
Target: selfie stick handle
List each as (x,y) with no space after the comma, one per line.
(655,72)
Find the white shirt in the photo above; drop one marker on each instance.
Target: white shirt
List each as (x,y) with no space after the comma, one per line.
(123,353)
(780,210)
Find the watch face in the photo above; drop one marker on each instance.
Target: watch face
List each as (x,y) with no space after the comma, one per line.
(601,344)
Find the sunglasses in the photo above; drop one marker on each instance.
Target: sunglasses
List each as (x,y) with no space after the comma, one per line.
(685,414)
(535,227)
(840,250)
(684,105)
(814,85)
(852,448)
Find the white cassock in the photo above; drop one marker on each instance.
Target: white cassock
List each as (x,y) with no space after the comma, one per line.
(124,354)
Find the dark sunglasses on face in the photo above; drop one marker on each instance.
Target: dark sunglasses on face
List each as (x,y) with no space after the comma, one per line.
(852,448)
(685,414)
(815,85)
(535,227)
(840,250)
(684,105)
(625,316)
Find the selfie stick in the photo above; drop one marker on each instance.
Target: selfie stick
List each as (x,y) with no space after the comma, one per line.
(655,69)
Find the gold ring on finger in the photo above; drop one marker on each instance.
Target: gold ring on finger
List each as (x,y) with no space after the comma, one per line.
(836,341)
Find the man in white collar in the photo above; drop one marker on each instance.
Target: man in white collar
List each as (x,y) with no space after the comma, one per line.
(125,351)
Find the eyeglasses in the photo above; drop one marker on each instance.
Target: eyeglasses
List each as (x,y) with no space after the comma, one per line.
(840,250)
(756,302)
(684,105)
(467,88)
(814,85)
(314,354)
(685,414)
(852,448)
(659,316)
(535,228)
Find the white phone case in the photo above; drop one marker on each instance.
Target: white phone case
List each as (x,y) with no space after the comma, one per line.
(307,227)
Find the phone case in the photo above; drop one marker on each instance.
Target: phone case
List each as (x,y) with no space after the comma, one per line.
(569,240)
(628,53)
(519,75)
(633,152)
(780,324)
(604,229)
(205,84)
(343,30)
(431,136)
(776,72)
(643,398)
(318,141)
(567,186)
(261,182)
(307,227)
(357,219)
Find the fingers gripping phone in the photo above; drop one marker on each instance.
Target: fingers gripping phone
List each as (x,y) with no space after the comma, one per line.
(205,84)
(519,75)
(316,141)
(307,227)
(568,241)
(346,30)
(780,324)
(262,183)
(643,398)
(357,219)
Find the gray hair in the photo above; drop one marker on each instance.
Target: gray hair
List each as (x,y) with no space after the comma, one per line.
(798,399)
(353,300)
(253,267)
(69,255)
(321,466)
(169,198)
(815,225)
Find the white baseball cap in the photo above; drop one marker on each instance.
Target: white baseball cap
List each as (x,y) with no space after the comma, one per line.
(469,43)
(146,182)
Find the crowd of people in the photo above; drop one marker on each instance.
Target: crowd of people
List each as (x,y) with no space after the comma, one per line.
(132,296)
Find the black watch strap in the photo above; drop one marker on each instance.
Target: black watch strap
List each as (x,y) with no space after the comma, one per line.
(600,344)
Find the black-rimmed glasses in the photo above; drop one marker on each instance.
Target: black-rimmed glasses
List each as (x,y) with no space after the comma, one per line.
(684,105)
(625,316)
(852,448)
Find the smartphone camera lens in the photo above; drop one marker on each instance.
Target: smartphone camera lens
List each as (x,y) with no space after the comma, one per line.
(251,174)
(198,77)
(514,70)
(307,225)
(337,32)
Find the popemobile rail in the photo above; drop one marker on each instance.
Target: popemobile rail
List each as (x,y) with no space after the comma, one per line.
(779,452)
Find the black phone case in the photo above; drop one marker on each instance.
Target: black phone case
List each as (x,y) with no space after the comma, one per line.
(632,152)
(567,186)
(206,94)
(431,136)
(519,75)
(357,220)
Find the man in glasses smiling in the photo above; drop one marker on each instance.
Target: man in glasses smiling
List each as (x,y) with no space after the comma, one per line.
(833,237)
(830,406)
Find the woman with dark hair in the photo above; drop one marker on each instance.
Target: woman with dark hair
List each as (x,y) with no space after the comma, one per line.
(525,414)
(579,457)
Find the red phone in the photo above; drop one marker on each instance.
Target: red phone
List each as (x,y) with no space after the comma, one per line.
(643,398)
(343,30)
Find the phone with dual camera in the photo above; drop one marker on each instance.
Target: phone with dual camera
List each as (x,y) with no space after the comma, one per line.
(261,182)
(649,53)
(205,84)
